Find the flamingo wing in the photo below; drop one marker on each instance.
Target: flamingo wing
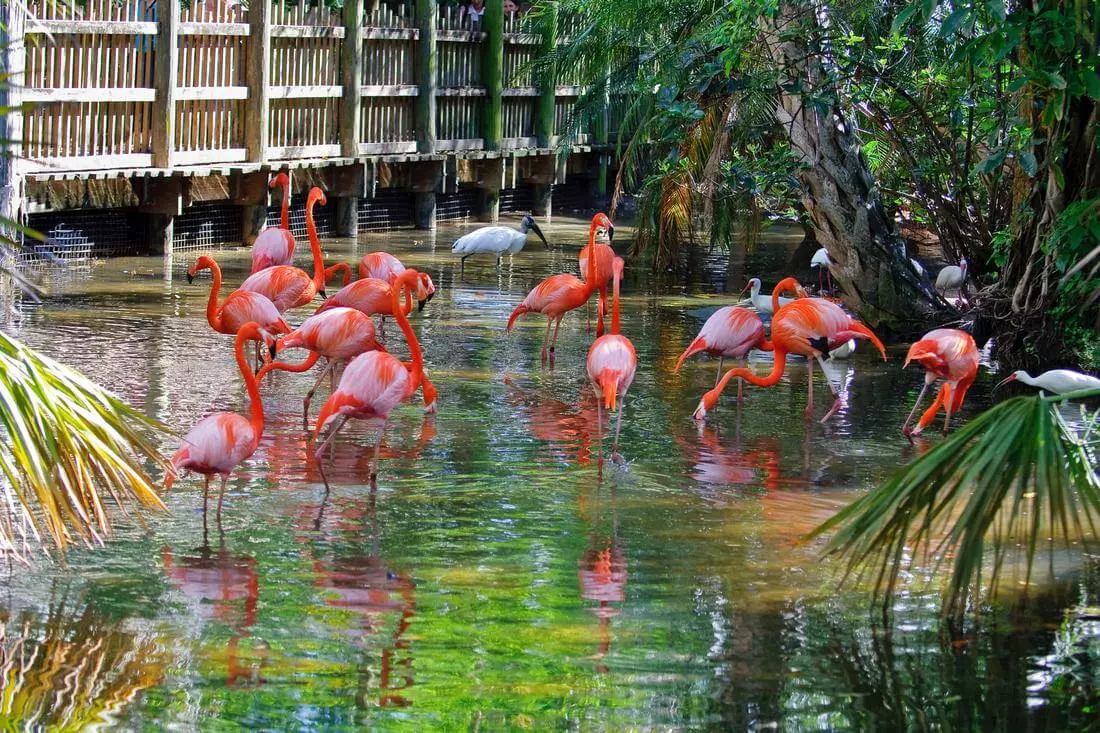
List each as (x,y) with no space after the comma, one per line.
(273,246)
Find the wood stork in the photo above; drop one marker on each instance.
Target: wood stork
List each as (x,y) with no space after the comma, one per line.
(1058,381)
(820,261)
(497,240)
(952,277)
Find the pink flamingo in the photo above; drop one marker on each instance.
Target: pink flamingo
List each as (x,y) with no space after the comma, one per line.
(604,256)
(948,354)
(219,442)
(371,295)
(372,385)
(611,365)
(384,266)
(558,294)
(287,286)
(729,332)
(239,307)
(338,335)
(275,246)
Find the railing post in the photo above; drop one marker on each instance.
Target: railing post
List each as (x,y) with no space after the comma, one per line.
(544,112)
(352,62)
(492,71)
(427,69)
(259,80)
(14,57)
(166,67)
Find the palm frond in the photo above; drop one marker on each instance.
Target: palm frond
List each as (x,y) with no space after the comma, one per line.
(70,448)
(1014,477)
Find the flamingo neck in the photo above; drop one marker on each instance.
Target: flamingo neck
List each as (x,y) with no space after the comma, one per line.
(315,247)
(213,313)
(304,366)
(769,380)
(407,281)
(787,283)
(256,414)
(615,303)
(284,213)
(414,345)
(590,276)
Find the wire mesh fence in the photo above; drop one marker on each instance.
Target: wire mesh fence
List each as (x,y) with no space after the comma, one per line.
(389,209)
(207,226)
(459,205)
(518,200)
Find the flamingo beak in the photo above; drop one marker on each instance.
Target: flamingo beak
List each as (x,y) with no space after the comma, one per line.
(1006,380)
(610,233)
(322,293)
(190,278)
(421,303)
(700,412)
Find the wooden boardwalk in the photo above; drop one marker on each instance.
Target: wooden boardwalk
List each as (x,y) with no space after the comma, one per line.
(147,104)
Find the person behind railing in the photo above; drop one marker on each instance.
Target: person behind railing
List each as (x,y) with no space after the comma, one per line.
(474,10)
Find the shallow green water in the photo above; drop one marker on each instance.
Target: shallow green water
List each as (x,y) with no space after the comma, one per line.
(497,579)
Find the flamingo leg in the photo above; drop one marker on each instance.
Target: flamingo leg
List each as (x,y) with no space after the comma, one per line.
(309,395)
(588,316)
(837,403)
(718,376)
(615,457)
(205,497)
(810,399)
(905,427)
(554,341)
(332,434)
(546,338)
(221,496)
(374,461)
(947,403)
(599,431)
(600,308)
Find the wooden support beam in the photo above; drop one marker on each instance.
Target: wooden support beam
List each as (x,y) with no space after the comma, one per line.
(164,82)
(492,73)
(427,71)
(259,80)
(13,52)
(351,51)
(346,221)
(544,110)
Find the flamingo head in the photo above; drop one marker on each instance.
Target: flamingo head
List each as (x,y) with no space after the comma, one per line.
(281,179)
(788,283)
(430,397)
(202,263)
(706,403)
(425,290)
(316,195)
(601,220)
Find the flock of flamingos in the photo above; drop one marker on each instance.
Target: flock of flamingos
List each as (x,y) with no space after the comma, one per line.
(369,382)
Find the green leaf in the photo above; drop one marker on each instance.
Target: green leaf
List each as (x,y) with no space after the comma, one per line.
(954,21)
(1028,163)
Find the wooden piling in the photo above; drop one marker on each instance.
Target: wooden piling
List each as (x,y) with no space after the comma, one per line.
(548,79)
(13,53)
(259,80)
(427,75)
(164,83)
(492,71)
(352,64)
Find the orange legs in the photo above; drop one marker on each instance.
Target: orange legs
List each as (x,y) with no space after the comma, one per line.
(330,368)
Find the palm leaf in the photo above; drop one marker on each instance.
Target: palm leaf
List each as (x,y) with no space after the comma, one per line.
(1012,478)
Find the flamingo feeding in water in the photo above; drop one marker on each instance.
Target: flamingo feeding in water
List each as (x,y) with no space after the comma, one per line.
(372,385)
(558,294)
(948,354)
(287,286)
(729,332)
(601,245)
(1056,381)
(338,334)
(275,245)
(384,266)
(372,296)
(219,442)
(239,307)
(611,365)
(496,240)
(807,327)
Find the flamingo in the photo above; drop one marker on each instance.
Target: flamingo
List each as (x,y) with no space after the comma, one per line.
(763,303)
(820,261)
(948,354)
(287,286)
(730,332)
(496,240)
(612,363)
(341,268)
(372,385)
(239,307)
(558,294)
(338,334)
(604,255)
(807,327)
(1057,381)
(275,246)
(952,277)
(384,266)
(220,442)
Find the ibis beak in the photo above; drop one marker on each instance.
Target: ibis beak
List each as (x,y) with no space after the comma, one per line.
(536,230)
(1006,380)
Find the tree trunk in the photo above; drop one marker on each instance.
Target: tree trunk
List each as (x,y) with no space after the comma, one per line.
(841,199)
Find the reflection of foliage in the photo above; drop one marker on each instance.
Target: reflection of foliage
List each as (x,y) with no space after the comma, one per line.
(70,447)
(70,672)
(1013,477)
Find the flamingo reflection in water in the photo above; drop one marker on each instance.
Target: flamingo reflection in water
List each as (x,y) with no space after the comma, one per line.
(381,598)
(562,426)
(718,461)
(227,588)
(602,573)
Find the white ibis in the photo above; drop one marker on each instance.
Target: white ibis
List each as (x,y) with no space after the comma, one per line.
(820,261)
(763,303)
(952,277)
(1057,381)
(497,240)
(843,351)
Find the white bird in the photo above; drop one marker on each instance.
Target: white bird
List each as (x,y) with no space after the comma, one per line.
(821,261)
(1058,381)
(952,277)
(916,267)
(843,351)
(763,303)
(497,240)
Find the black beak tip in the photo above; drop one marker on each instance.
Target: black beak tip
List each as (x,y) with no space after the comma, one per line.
(610,233)
(272,348)
(190,278)
(420,305)
(429,298)
(322,294)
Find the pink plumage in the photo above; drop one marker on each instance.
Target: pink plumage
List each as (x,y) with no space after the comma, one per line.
(730,332)
(272,247)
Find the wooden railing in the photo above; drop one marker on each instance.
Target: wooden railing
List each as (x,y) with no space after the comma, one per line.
(112,84)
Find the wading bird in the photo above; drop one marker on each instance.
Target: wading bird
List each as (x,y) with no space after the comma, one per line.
(948,354)
(558,294)
(275,245)
(372,296)
(820,261)
(287,286)
(764,303)
(611,365)
(239,307)
(496,240)
(807,327)
(952,277)
(601,245)
(372,385)
(730,332)
(384,266)
(1056,381)
(219,442)
(338,334)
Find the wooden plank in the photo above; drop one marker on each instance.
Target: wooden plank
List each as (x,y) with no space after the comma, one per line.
(212,93)
(390,90)
(386,148)
(467,36)
(214,29)
(91,27)
(521,92)
(257,121)
(318,91)
(461,92)
(89,95)
(91,163)
(510,143)
(306,31)
(390,34)
(206,157)
(462,144)
(351,58)
(166,69)
(568,90)
(293,152)
(522,39)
